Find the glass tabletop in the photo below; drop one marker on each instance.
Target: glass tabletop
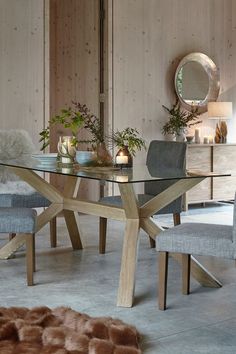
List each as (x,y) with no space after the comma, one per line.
(139,173)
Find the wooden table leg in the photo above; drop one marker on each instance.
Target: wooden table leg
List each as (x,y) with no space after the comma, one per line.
(128,264)
(130,246)
(71,217)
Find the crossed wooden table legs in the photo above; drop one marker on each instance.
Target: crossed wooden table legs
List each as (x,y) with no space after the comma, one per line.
(136,217)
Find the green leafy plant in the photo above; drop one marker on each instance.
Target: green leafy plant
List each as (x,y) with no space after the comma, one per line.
(68,118)
(74,119)
(92,123)
(129,138)
(179,119)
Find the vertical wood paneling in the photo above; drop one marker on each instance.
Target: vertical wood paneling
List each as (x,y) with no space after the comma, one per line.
(74,67)
(149,39)
(22,65)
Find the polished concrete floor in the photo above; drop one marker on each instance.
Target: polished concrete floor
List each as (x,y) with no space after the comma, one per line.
(203,322)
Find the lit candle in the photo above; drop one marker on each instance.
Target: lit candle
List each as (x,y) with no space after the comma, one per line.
(120,159)
(205,140)
(210,139)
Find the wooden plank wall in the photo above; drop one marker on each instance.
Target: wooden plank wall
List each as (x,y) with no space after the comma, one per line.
(74,63)
(149,39)
(22,89)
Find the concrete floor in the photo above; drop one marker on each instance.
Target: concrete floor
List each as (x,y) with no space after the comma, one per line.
(203,322)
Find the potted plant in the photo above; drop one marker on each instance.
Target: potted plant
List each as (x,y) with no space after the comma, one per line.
(179,120)
(128,142)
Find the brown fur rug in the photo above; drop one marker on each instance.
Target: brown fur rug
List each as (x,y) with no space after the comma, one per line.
(63,331)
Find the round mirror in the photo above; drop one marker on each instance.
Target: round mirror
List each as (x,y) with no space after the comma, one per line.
(197,81)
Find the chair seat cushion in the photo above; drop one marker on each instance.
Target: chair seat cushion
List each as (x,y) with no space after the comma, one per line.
(142,199)
(34,200)
(17,220)
(198,238)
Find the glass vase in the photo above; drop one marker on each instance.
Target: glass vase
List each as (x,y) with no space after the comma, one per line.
(66,150)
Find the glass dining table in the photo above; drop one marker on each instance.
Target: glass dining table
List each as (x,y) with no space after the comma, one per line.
(134,215)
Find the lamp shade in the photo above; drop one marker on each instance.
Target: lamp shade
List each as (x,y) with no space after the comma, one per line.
(218,110)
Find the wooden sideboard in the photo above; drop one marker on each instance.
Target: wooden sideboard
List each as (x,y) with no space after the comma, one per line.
(214,158)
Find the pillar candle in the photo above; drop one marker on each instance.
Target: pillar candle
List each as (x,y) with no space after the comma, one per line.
(210,139)
(197,136)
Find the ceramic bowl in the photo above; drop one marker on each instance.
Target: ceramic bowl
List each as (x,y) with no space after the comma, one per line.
(85,158)
(189,138)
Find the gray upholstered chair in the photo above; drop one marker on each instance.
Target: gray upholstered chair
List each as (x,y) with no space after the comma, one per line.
(16,144)
(162,156)
(18,221)
(193,238)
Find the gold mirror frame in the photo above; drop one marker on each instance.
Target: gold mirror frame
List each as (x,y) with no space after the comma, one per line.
(213,76)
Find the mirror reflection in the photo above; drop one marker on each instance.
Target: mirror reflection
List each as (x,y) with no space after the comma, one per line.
(197,81)
(192,83)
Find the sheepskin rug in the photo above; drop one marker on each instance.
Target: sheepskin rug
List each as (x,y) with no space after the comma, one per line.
(62,331)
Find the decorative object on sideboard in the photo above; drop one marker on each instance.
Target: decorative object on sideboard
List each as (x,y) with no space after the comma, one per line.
(210,139)
(190,138)
(197,136)
(220,111)
(179,120)
(128,142)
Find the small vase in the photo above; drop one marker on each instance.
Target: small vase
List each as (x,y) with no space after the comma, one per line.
(104,157)
(124,157)
(180,137)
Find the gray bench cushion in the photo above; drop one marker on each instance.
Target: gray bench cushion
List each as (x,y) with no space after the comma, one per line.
(17,220)
(142,199)
(34,200)
(199,239)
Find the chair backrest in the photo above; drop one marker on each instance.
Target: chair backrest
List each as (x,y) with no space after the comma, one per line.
(163,156)
(15,144)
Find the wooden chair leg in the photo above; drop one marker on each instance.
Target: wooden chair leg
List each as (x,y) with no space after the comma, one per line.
(186,264)
(102,235)
(152,242)
(11,236)
(30,258)
(176,218)
(34,260)
(163,275)
(53,232)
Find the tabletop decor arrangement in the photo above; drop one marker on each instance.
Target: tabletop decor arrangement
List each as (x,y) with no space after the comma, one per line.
(97,154)
(128,142)
(179,120)
(74,119)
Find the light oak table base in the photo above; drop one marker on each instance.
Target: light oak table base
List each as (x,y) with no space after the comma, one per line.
(135,217)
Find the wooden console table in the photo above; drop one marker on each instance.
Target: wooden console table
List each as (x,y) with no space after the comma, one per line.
(212,157)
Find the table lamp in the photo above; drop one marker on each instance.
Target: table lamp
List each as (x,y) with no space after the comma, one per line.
(220,111)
